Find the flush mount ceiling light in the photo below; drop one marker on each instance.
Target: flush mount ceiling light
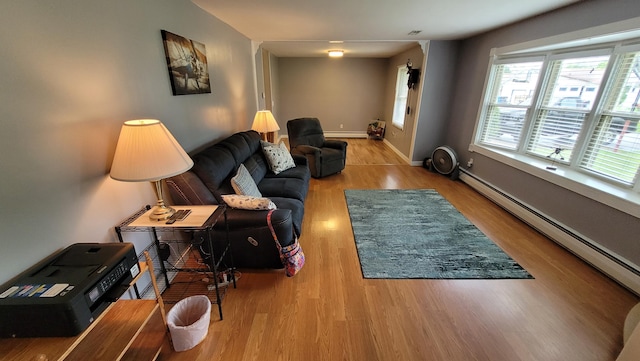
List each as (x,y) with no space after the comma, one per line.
(336,53)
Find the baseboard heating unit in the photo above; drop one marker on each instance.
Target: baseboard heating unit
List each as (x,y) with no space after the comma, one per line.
(616,267)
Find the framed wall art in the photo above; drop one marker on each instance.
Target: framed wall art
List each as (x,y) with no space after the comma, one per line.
(187,64)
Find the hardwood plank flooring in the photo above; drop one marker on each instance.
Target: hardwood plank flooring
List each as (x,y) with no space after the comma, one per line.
(570,311)
(366,151)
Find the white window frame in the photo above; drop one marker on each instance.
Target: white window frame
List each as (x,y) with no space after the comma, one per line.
(401,98)
(621,197)
(552,57)
(488,103)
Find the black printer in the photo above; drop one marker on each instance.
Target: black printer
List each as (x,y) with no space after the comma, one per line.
(64,293)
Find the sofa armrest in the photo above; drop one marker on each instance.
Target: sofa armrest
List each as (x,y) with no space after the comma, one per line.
(252,244)
(336,144)
(306,150)
(242,218)
(299,159)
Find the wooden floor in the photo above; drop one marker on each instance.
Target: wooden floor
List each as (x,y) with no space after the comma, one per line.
(568,312)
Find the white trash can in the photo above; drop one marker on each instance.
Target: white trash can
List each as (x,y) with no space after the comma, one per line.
(188,322)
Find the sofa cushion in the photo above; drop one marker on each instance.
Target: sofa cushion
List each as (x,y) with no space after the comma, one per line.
(300,172)
(257,166)
(187,189)
(215,166)
(284,187)
(244,184)
(278,157)
(238,146)
(253,139)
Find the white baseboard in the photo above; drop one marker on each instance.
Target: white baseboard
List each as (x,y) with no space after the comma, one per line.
(345,135)
(364,135)
(613,265)
(335,135)
(399,153)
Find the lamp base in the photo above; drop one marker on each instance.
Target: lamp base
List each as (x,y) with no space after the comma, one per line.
(271,137)
(161,213)
(268,136)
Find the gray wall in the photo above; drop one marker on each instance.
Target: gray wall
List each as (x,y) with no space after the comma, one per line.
(275,86)
(401,138)
(261,88)
(438,80)
(354,91)
(347,91)
(71,72)
(610,228)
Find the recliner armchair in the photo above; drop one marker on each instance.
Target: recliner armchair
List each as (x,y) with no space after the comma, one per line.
(325,157)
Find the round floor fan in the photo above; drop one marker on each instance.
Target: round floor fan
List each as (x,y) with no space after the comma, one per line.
(445,161)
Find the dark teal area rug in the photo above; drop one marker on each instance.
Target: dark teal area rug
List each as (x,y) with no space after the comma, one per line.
(419,234)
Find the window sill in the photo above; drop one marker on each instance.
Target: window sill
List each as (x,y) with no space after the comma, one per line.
(624,200)
(399,127)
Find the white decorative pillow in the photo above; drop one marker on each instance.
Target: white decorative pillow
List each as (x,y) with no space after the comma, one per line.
(278,157)
(244,184)
(247,202)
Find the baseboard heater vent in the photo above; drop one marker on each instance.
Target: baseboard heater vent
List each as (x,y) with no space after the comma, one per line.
(616,267)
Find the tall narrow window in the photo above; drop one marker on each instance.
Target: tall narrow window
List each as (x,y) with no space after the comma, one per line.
(402,92)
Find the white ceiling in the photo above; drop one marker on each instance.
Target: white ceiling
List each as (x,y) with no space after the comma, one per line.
(367,28)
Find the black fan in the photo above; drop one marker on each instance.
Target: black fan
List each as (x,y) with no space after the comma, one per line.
(445,161)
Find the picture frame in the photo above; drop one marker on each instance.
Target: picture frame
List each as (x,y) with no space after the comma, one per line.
(187,64)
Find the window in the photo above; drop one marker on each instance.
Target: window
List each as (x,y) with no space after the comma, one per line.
(579,108)
(561,117)
(614,148)
(509,102)
(402,92)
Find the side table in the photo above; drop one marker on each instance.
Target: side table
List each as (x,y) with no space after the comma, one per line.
(201,219)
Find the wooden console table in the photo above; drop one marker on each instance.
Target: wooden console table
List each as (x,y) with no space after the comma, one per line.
(126,330)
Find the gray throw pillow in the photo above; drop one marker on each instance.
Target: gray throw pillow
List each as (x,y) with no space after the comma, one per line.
(244,184)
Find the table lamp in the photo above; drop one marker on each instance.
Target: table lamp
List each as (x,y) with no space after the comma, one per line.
(146,151)
(265,124)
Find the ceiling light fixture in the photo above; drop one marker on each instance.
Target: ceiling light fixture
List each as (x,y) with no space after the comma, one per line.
(336,53)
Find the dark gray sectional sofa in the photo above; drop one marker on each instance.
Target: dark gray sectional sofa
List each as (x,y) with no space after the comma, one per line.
(210,178)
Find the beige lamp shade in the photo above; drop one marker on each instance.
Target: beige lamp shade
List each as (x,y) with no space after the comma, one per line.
(147,151)
(264,122)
